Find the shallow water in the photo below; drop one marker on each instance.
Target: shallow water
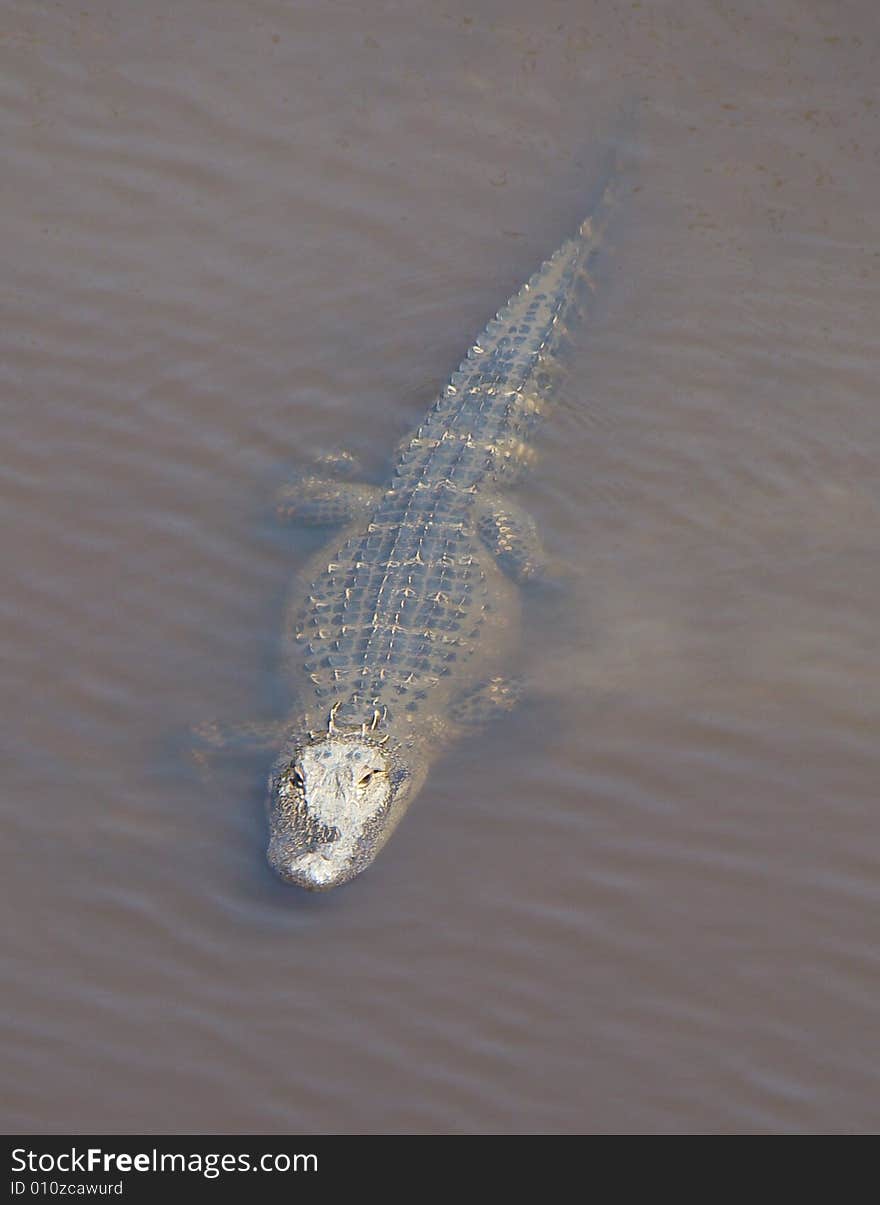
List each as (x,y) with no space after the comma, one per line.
(234,234)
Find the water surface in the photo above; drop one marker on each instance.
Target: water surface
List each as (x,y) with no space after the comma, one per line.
(237,233)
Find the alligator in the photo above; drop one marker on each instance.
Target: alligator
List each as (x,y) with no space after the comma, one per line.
(397,648)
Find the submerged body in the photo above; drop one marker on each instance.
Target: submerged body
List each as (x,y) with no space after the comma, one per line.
(404,630)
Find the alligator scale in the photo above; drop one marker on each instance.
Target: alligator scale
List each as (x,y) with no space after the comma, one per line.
(406,634)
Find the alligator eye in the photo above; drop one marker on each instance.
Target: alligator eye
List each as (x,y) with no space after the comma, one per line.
(366,778)
(296,778)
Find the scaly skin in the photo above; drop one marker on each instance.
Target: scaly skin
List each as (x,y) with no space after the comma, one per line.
(416,609)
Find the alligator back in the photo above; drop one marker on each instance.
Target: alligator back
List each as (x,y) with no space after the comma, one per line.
(404,601)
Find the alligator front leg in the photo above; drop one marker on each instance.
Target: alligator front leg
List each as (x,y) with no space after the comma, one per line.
(486,702)
(212,738)
(325,494)
(509,532)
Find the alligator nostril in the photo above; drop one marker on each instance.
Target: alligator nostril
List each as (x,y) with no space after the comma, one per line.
(318,836)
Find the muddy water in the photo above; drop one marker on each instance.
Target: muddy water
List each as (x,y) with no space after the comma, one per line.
(236,233)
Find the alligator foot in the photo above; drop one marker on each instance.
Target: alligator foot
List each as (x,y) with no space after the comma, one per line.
(509,532)
(325,494)
(211,738)
(486,702)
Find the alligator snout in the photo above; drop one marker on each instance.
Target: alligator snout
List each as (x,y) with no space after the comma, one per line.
(314,871)
(317,856)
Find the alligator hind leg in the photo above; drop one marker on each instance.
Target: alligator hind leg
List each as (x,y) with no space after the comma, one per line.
(486,702)
(509,532)
(325,494)
(316,502)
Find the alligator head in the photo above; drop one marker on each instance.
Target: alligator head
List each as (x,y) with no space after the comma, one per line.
(333,802)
